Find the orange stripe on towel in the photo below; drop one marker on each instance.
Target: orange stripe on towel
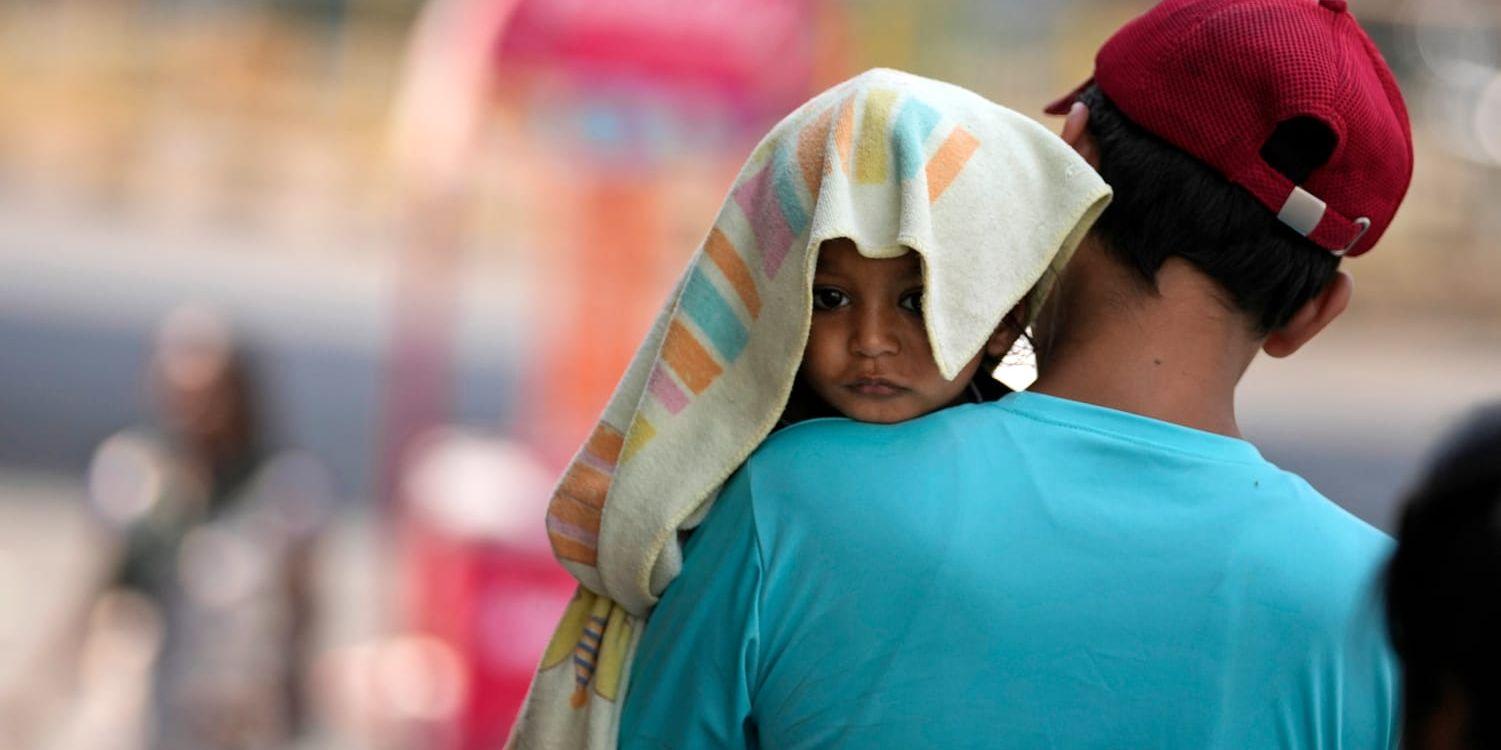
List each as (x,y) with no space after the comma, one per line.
(810,151)
(949,160)
(723,253)
(689,359)
(569,549)
(606,443)
(571,510)
(585,484)
(844,132)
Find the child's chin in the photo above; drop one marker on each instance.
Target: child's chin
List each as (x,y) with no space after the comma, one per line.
(882,414)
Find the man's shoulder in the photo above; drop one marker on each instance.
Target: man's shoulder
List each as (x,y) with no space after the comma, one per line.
(836,466)
(1314,555)
(1344,535)
(818,441)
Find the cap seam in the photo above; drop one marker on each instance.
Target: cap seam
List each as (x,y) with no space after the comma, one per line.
(1170,50)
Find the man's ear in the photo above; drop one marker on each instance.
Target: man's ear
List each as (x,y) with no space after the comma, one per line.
(1008,331)
(1312,317)
(1076,133)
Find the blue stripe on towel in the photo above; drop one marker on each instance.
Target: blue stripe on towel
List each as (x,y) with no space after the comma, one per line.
(908,135)
(713,315)
(786,178)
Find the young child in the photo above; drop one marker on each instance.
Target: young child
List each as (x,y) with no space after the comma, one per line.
(868,356)
(880,244)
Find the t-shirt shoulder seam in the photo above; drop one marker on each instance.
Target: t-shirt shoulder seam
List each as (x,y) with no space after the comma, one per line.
(1134,441)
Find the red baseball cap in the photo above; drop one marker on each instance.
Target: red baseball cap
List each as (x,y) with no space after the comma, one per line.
(1216,77)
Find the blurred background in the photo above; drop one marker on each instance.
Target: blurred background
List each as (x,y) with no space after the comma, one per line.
(303,303)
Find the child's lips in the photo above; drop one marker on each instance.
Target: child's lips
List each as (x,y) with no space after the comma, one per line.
(876,387)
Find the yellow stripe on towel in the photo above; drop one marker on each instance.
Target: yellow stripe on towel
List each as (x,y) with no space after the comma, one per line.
(873,154)
(640,434)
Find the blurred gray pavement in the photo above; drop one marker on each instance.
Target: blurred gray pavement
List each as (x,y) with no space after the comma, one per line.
(58,692)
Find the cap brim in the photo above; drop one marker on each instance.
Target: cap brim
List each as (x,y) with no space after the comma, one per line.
(1063,105)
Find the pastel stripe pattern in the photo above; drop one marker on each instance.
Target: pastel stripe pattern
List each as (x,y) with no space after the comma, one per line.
(641,433)
(773,234)
(573,529)
(913,124)
(573,516)
(713,315)
(787,198)
(665,391)
(689,359)
(810,151)
(844,134)
(872,153)
(605,444)
(727,259)
(949,160)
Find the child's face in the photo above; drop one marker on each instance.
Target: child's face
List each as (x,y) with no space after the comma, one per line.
(868,353)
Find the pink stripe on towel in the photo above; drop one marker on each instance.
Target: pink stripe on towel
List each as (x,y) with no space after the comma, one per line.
(666,391)
(757,198)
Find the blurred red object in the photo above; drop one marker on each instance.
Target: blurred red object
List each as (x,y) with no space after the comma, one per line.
(480,575)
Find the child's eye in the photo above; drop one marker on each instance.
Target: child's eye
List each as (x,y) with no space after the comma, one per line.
(912,302)
(829,298)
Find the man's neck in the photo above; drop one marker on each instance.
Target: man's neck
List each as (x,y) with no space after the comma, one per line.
(1176,356)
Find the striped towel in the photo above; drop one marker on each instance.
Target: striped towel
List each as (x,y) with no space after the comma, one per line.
(991,201)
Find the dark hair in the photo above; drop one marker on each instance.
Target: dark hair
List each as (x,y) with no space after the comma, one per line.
(1444,586)
(1169,204)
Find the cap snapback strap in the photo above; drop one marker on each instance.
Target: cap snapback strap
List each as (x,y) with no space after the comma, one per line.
(1311,217)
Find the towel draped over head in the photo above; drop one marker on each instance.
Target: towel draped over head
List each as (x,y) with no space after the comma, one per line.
(990,200)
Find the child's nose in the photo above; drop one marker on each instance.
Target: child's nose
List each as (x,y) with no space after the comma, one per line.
(875,334)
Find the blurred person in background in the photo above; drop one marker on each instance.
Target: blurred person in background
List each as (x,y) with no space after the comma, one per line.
(1444,593)
(215,532)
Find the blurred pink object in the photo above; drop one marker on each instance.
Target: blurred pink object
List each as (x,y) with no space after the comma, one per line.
(482,578)
(750,56)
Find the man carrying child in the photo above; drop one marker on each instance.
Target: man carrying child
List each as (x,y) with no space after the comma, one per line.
(1101,561)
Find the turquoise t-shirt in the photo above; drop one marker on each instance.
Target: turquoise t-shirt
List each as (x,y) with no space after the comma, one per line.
(1030,573)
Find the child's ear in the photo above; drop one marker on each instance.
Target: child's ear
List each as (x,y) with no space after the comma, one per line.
(1076,133)
(1008,331)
